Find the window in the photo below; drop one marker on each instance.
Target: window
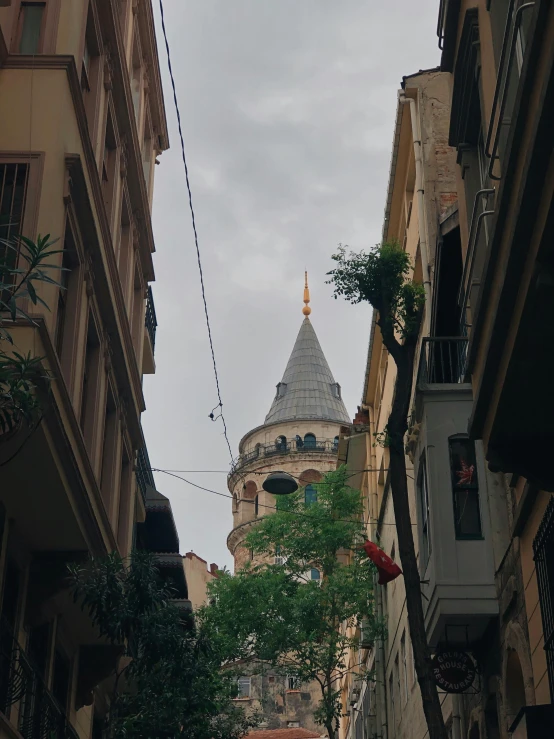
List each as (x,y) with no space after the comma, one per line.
(293,683)
(315,574)
(397,684)
(543,548)
(109,452)
(424,510)
(256,506)
(310,495)
(30,27)
(243,687)
(404,665)
(467,516)
(281,443)
(391,697)
(136,79)
(310,441)
(279,559)
(293,724)
(13,188)
(126,512)
(90,378)
(335,443)
(61,678)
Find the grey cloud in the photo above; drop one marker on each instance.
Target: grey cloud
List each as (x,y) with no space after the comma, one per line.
(288,109)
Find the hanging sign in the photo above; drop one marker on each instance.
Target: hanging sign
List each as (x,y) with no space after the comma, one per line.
(454,671)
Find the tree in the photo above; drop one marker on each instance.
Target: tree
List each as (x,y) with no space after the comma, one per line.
(167,682)
(382,277)
(278,614)
(23,264)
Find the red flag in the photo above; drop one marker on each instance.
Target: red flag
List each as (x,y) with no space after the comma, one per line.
(387,568)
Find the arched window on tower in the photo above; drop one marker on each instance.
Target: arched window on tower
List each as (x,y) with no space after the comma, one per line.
(310,495)
(256,507)
(310,441)
(281,443)
(335,443)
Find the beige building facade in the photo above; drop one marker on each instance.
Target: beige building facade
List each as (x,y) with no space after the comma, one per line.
(471,574)
(82,121)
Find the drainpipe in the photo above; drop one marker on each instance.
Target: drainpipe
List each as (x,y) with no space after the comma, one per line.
(422,221)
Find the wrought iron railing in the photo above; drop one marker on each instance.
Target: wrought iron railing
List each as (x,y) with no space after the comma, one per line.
(40,715)
(144,472)
(543,549)
(150,319)
(287,446)
(499,110)
(443,360)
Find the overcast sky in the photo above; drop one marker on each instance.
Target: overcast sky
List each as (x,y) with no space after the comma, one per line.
(288,110)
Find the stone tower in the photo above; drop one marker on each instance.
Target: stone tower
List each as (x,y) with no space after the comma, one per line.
(300,436)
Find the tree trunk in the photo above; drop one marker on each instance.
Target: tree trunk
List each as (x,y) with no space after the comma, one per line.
(396,428)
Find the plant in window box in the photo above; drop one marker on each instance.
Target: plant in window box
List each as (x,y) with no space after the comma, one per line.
(24,264)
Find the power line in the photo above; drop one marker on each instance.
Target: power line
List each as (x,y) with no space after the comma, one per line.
(260,505)
(201,273)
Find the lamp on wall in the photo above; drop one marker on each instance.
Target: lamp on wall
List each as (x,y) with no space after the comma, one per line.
(280,483)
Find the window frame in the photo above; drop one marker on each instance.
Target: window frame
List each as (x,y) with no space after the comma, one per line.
(472,487)
(310,495)
(424,513)
(244,679)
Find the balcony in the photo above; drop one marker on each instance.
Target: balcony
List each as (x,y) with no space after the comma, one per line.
(282,446)
(456,559)
(143,472)
(150,325)
(39,714)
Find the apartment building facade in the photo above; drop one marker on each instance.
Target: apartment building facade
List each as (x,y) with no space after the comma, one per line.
(472,570)
(82,121)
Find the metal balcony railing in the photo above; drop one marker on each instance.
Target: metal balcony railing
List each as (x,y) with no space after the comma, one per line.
(443,360)
(40,715)
(287,446)
(150,319)
(543,550)
(481,203)
(512,38)
(144,472)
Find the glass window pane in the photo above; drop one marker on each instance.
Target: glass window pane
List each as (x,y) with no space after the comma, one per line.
(310,495)
(31,24)
(463,465)
(315,574)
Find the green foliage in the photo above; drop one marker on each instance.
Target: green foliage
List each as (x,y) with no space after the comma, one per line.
(277,614)
(23,265)
(381,277)
(168,682)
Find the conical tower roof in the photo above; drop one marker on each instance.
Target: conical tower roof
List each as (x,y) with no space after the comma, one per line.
(308,389)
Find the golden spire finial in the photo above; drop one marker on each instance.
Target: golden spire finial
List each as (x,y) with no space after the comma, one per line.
(306,310)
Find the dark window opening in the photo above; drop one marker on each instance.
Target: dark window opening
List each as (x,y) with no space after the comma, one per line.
(424,512)
(448,277)
(310,495)
(13,188)
(543,548)
(281,443)
(39,642)
(310,441)
(30,19)
(10,596)
(463,465)
(61,679)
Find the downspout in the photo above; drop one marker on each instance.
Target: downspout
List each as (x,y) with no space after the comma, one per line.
(422,221)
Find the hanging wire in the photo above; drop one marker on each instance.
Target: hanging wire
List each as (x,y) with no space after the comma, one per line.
(196,243)
(260,505)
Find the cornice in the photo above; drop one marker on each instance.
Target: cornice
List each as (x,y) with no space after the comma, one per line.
(237,535)
(156,81)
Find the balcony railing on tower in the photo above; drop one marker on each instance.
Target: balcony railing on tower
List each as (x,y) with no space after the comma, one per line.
(287,446)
